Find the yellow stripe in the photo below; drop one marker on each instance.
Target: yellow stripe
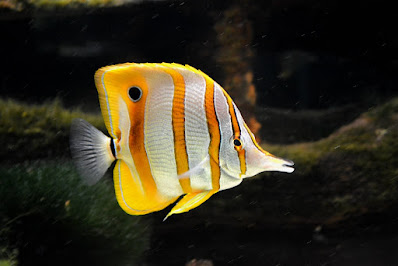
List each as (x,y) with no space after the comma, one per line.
(178,121)
(214,130)
(190,201)
(237,134)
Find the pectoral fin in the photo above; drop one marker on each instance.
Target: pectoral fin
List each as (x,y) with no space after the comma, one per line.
(197,169)
(190,201)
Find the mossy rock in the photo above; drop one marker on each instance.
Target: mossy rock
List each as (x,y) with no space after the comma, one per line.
(50,5)
(38,131)
(351,173)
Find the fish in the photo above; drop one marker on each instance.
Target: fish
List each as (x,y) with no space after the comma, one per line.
(174,134)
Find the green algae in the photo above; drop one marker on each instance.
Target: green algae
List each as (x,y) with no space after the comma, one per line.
(51,217)
(7,263)
(64,3)
(37,131)
(28,5)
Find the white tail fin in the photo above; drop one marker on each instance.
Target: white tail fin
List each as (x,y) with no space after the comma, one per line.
(91,150)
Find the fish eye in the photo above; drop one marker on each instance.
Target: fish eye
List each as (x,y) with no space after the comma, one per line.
(135,93)
(237,142)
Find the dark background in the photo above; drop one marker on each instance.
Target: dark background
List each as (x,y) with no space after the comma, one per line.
(309,57)
(336,52)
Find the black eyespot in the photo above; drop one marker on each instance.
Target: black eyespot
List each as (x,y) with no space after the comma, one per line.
(135,93)
(237,142)
(113,148)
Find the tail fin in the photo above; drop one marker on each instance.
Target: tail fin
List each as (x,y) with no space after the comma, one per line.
(91,150)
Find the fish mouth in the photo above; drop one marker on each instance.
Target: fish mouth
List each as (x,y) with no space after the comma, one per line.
(288,166)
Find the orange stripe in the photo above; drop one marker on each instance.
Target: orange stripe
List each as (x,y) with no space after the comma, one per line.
(214,130)
(242,160)
(178,121)
(136,139)
(237,134)
(234,119)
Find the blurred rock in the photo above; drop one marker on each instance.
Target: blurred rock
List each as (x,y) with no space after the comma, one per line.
(200,262)
(235,56)
(284,126)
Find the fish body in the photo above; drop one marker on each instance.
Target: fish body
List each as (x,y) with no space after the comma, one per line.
(173,131)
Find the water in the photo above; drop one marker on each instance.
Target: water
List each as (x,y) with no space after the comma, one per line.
(316,82)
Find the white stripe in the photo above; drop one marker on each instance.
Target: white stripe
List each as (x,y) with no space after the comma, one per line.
(229,160)
(158,132)
(124,152)
(196,130)
(245,137)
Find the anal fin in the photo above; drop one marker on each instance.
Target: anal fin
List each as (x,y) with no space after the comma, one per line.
(190,201)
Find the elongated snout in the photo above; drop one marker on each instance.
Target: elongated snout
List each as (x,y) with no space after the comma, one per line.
(273,163)
(259,161)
